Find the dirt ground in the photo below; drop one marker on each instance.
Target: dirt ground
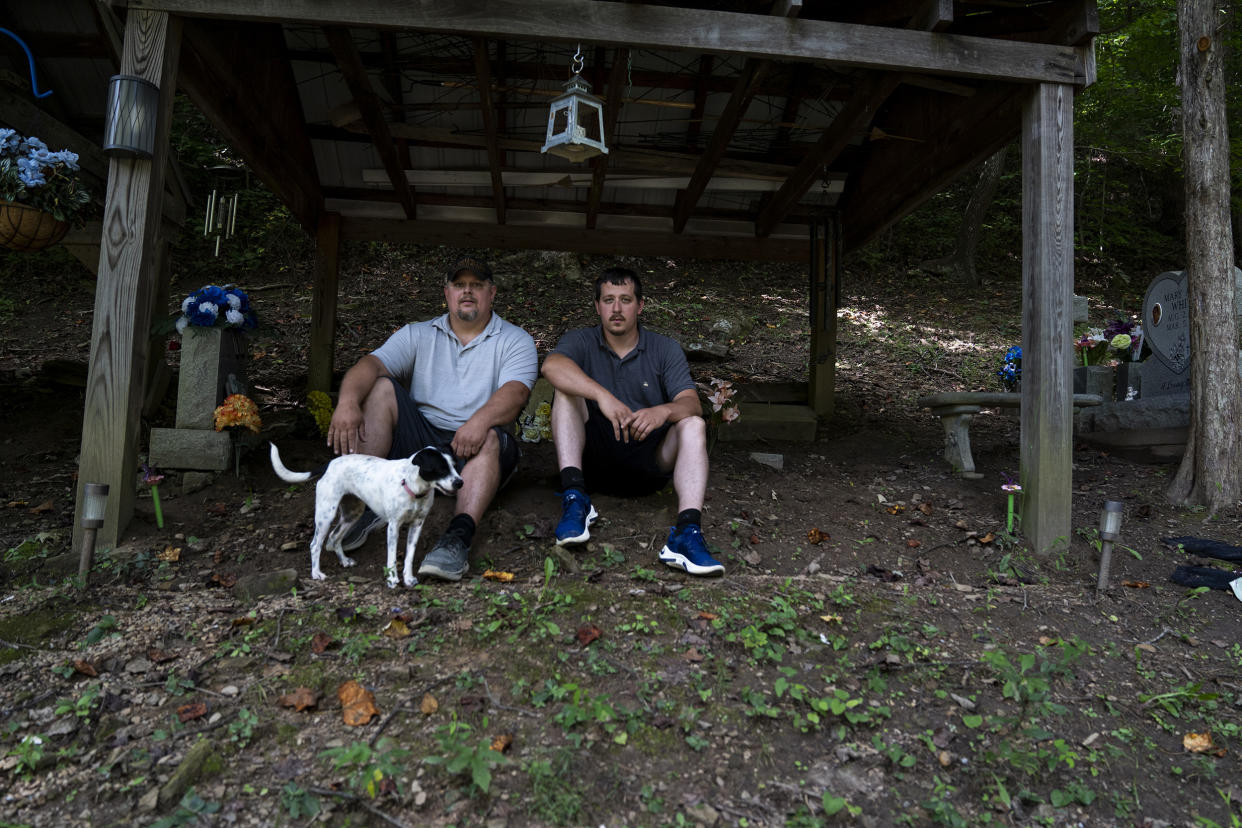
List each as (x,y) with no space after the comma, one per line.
(879,651)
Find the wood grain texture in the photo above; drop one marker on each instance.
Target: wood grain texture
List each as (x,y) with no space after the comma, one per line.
(1046,448)
(825,290)
(525,237)
(124,291)
(323,302)
(657,27)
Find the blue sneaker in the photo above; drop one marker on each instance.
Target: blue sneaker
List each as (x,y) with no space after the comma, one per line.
(687,550)
(577,515)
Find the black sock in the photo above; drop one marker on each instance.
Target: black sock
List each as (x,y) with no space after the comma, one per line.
(571,478)
(463,526)
(687,517)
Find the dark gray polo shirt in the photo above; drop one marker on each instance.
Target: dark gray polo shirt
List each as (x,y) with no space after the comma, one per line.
(651,374)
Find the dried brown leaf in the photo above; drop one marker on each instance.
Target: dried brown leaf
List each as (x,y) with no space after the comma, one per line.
(303,698)
(357,704)
(85,668)
(396,628)
(815,535)
(194,710)
(588,633)
(45,506)
(496,575)
(169,553)
(320,642)
(1198,742)
(429,704)
(501,743)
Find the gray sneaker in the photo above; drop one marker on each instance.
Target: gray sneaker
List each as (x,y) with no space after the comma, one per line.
(448,560)
(357,534)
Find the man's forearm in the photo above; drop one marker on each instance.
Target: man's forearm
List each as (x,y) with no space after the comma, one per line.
(568,378)
(504,405)
(686,404)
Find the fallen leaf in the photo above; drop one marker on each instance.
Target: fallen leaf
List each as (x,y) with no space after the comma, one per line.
(300,699)
(85,668)
(692,655)
(1136,584)
(188,712)
(227,580)
(320,642)
(396,628)
(988,538)
(708,616)
(429,704)
(169,553)
(495,575)
(911,543)
(588,633)
(814,535)
(45,506)
(243,621)
(961,524)
(1198,742)
(896,509)
(357,704)
(501,743)
(1048,642)
(831,619)
(160,656)
(16,504)
(925,508)
(754,538)
(217,509)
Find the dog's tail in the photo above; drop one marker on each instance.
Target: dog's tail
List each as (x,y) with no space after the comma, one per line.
(283,473)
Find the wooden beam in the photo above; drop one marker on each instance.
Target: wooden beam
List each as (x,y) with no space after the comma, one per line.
(580,240)
(125,289)
(958,134)
(323,302)
(238,77)
(662,27)
(853,118)
(359,82)
(1047,313)
(612,110)
(934,16)
(483,71)
(787,8)
(825,291)
(743,92)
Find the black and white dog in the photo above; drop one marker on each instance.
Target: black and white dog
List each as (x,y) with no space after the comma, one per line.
(399,491)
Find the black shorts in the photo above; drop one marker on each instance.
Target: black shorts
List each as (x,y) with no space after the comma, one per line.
(413,432)
(618,468)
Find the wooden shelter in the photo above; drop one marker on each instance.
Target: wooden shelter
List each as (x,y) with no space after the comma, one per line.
(746,129)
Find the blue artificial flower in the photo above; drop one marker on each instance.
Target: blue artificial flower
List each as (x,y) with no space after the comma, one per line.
(204,313)
(68,158)
(31,144)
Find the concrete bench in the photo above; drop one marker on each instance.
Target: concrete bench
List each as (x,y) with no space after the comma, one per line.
(956,409)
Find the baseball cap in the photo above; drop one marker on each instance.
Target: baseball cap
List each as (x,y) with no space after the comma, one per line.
(478,267)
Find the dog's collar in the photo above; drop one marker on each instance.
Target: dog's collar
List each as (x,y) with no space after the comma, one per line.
(410,491)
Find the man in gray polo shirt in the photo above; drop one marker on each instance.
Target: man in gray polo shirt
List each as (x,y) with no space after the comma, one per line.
(457,381)
(626,417)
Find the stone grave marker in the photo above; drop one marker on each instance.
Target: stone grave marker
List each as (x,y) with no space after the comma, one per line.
(1166,327)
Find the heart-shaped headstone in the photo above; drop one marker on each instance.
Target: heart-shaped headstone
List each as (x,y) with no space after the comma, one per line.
(1166,320)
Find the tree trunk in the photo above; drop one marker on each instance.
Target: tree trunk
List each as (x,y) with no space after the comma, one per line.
(962,260)
(1211,469)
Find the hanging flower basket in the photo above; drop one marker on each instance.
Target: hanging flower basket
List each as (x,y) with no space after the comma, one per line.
(24,228)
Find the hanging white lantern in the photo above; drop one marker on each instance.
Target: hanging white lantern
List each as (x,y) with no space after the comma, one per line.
(576,120)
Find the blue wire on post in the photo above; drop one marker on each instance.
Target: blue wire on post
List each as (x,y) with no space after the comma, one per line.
(34,83)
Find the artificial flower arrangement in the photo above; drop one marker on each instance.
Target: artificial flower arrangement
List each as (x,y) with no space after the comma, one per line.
(211,306)
(238,411)
(1010,372)
(1125,340)
(33,175)
(538,426)
(720,398)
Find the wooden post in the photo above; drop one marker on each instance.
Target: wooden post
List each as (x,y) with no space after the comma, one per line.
(128,262)
(1047,313)
(825,294)
(323,302)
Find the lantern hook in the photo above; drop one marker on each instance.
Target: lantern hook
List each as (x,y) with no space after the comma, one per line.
(578,60)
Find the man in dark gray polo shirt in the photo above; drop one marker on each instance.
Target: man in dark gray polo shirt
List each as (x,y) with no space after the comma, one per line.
(626,418)
(457,381)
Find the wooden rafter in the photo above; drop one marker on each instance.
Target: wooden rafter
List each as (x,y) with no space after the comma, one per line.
(678,29)
(612,110)
(239,78)
(891,183)
(359,82)
(850,121)
(726,125)
(483,71)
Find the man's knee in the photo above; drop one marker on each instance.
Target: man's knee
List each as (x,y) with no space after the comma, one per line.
(382,398)
(566,405)
(691,430)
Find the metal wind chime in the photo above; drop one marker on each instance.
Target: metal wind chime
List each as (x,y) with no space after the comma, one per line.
(221,217)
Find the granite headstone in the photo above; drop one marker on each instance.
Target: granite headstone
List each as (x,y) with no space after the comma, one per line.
(1166,327)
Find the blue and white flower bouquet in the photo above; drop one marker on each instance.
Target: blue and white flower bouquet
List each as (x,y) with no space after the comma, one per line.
(47,181)
(1010,372)
(213,306)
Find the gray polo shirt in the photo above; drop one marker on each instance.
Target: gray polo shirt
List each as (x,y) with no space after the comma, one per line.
(449,381)
(651,374)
